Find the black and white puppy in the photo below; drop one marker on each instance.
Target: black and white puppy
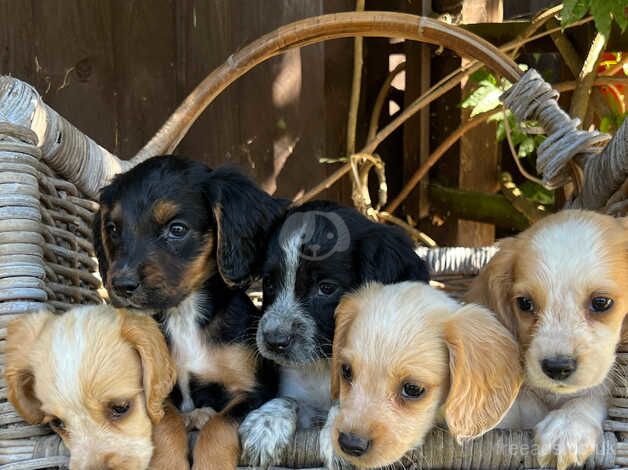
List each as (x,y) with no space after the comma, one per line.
(321,251)
(182,241)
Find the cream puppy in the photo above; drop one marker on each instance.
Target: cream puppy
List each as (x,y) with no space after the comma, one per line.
(562,288)
(405,357)
(99,377)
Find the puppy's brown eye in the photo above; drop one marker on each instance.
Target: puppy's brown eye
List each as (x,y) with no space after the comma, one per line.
(525,304)
(118,410)
(57,425)
(346,371)
(601,304)
(111,228)
(327,288)
(411,391)
(177,230)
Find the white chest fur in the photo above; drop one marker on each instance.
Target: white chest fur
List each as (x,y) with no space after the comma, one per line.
(309,385)
(188,345)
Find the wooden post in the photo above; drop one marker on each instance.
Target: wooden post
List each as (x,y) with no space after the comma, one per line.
(416,135)
(443,120)
(479,152)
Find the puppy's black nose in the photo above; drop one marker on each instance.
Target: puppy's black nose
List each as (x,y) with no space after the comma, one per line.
(352,444)
(278,340)
(558,368)
(124,286)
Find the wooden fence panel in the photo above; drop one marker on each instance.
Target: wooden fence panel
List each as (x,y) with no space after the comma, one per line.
(145,47)
(117,69)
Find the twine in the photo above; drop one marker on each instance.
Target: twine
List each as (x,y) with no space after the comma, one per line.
(531,97)
(605,173)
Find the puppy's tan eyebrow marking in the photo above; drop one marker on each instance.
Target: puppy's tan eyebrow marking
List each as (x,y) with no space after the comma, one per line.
(115,213)
(164,210)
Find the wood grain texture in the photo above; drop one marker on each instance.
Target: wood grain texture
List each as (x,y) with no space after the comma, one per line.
(416,135)
(117,69)
(271,122)
(338,59)
(74,65)
(479,152)
(144,47)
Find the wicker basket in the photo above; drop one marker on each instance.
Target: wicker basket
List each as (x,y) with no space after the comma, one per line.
(50,174)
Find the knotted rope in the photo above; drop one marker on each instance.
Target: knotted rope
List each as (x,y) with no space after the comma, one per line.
(605,174)
(531,97)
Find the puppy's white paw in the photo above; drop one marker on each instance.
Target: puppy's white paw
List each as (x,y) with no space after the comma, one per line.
(565,438)
(266,432)
(197,418)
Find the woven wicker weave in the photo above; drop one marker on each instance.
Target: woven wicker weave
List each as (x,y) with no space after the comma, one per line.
(46,261)
(46,257)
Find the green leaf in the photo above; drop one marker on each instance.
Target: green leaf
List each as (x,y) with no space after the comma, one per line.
(573,10)
(537,193)
(526,147)
(619,13)
(516,132)
(518,136)
(601,11)
(484,98)
(481,75)
(497,117)
(500,132)
(606,124)
(489,101)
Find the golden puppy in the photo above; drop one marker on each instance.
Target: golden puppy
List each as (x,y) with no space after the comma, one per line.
(562,288)
(99,377)
(406,356)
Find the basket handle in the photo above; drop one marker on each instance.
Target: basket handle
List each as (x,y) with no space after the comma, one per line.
(89,166)
(311,31)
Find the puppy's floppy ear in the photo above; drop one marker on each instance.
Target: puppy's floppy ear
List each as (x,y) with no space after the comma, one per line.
(387,255)
(158,370)
(345,314)
(485,372)
(244,217)
(99,249)
(21,336)
(493,286)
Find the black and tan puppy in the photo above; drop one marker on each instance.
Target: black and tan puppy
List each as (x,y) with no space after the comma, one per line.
(183,241)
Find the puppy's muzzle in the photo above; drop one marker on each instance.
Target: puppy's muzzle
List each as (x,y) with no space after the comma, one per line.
(559,368)
(124,284)
(353,444)
(278,340)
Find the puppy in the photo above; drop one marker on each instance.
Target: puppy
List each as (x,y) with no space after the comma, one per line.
(319,252)
(99,377)
(183,241)
(562,288)
(407,356)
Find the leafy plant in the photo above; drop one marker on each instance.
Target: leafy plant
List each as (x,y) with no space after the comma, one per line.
(486,98)
(603,12)
(537,193)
